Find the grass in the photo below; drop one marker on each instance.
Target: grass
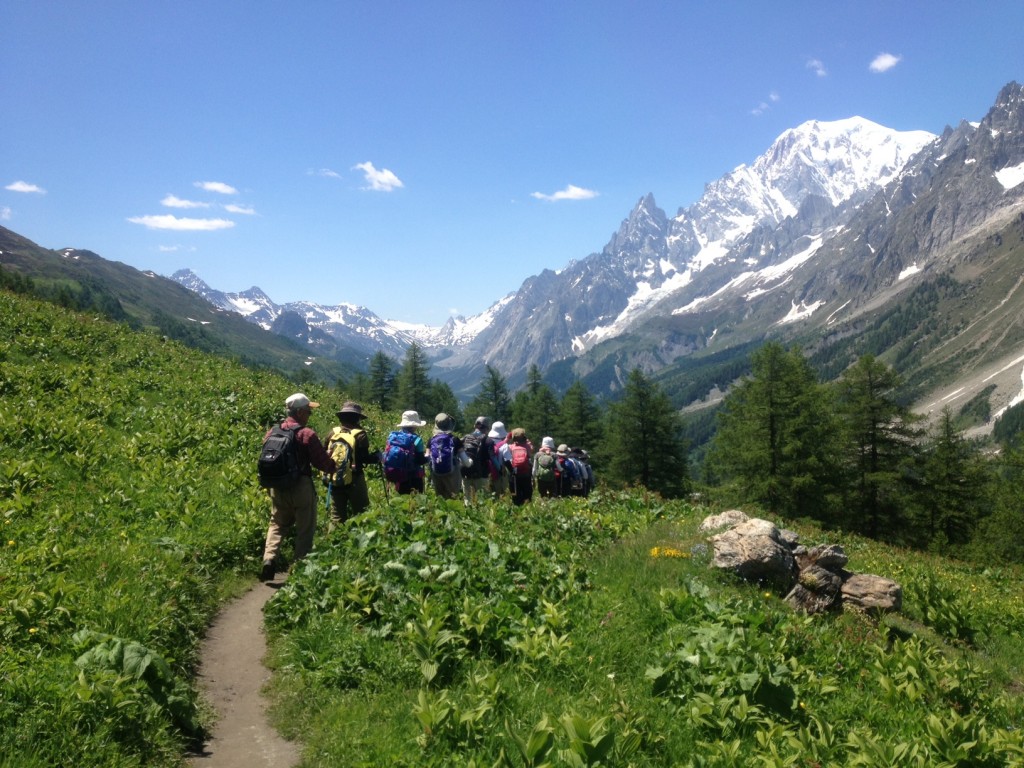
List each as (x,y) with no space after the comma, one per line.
(577,632)
(646,656)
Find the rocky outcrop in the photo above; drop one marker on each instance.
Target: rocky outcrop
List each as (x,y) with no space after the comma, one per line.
(814,580)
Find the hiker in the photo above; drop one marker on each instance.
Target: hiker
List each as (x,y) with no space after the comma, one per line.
(499,475)
(296,505)
(519,451)
(578,485)
(566,472)
(544,469)
(588,472)
(406,455)
(478,448)
(447,458)
(349,493)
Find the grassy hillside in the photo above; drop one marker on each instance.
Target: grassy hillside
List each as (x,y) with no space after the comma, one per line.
(83,280)
(126,498)
(580,632)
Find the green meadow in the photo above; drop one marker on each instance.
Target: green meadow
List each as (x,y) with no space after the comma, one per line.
(578,632)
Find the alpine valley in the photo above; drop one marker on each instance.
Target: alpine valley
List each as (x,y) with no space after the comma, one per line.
(846,238)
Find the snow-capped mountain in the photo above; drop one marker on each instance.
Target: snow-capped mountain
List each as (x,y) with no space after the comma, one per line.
(831,219)
(348,324)
(651,257)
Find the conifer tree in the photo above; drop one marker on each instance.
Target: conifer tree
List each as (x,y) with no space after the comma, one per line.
(644,441)
(952,492)
(381,381)
(413,382)
(493,399)
(535,407)
(879,447)
(580,423)
(775,440)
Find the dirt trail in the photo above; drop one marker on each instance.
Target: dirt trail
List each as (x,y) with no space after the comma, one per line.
(231,675)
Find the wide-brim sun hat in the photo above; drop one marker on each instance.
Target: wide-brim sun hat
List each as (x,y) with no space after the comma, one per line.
(411,419)
(498,431)
(444,422)
(352,408)
(563,449)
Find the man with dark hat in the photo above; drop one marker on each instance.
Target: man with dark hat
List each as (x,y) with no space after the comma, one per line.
(349,499)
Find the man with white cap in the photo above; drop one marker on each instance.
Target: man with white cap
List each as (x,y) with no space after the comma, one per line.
(296,505)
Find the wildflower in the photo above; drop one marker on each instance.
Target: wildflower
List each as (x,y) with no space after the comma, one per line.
(10,543)
(32,630)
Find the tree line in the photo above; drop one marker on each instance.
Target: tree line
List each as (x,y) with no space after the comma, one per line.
(849,455)
(846,453)
(637,440)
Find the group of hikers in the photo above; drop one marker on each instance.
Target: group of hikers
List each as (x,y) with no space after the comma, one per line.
(490,461)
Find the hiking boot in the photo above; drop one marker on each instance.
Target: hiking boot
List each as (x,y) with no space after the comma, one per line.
(268,572)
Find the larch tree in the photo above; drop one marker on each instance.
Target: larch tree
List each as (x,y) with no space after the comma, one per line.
(644,439)
(880,444)
(776,436)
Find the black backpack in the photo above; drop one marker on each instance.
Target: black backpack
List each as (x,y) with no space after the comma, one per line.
(473,445)
(278,465)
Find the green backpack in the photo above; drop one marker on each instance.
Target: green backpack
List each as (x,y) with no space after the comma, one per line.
(545,467)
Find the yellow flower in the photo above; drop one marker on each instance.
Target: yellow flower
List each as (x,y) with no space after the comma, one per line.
(32,630)
(10,543)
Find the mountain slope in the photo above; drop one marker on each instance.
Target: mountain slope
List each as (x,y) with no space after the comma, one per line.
(925,274)
(145,299)
(819,171)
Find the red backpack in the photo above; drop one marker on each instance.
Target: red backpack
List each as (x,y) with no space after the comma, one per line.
(520,458)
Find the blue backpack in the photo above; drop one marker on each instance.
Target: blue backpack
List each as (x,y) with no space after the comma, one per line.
(400,456)
(442,450)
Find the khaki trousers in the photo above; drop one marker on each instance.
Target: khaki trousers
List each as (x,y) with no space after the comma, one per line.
(292,506)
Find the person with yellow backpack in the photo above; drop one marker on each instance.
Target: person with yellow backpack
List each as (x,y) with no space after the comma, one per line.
(349,446)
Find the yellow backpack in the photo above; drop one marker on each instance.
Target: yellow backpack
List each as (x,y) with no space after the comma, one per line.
(341,446)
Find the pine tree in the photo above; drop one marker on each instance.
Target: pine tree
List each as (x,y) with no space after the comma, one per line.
(775,440)
(535,407)
(580,422)
(953,488)
(413,383)
(381,384)
(880,444)
(493,399)
(644,439)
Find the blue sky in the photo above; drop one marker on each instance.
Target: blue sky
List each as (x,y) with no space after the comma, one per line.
(424,158)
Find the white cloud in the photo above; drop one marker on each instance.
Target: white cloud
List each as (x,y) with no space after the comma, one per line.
(24,186)
(818,67)
(217,186)
(167,221)
(5,213)
(381,181)
(571,192)
(764,106)
(171,201)
(168,248)
(883,62)
(326,172)
(246,210)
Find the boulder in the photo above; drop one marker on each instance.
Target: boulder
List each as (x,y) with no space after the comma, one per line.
(814,579)
(871,593)
(754,551)
(816,590)
(725,520)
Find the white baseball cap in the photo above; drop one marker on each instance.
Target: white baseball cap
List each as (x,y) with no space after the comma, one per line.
(299,400)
